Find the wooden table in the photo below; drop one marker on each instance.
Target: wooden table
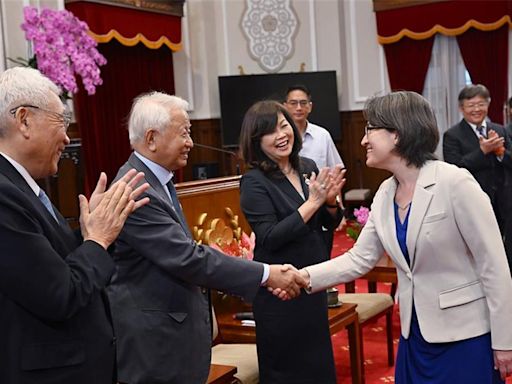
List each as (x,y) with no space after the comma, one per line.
(345,316)
(221,374)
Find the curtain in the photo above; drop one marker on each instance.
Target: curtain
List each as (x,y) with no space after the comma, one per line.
(102,118)
(407,62)
(445,78)
(486,57)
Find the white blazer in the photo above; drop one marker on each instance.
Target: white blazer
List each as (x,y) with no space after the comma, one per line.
(459,280)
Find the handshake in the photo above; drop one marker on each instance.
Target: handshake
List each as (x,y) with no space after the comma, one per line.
(285,281)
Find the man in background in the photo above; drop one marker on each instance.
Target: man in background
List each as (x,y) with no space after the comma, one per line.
(483,148)
(317,143)
(54,323)
(159,300)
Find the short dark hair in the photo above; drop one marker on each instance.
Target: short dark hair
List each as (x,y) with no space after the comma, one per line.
(412,117)
(297,87)
(260,120)
(473,90)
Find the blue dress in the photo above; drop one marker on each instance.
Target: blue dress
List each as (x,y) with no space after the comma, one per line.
(467,361)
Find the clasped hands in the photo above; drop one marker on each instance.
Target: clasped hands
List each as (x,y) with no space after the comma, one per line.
(285,281)
(493,143)
(324,187)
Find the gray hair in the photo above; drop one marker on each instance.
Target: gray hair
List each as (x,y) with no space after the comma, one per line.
(151,110)
(473,90)
(412,117)
(23,85)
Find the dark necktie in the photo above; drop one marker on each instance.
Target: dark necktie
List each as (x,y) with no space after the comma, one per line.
(47,204)
(177,207)
(481,131)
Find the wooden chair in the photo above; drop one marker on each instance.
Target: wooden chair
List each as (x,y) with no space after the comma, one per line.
(371,306)
(242,356)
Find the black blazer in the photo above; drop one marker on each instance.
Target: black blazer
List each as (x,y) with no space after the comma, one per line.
(462,148)
(161,314)
(270,204)
(54,324)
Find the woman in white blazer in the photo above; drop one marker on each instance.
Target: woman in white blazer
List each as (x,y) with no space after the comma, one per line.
(438,227)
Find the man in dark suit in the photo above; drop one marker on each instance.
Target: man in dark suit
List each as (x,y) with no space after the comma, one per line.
(54,323)
(484,149)
(159,301)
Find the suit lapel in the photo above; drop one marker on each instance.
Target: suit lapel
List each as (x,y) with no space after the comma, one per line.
(468,134)
(284,185)
(387,223)
(150,177)
(420,203)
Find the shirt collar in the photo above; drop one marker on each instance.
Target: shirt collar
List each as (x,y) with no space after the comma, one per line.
(309,129)
(474,126)
(24,173)
(162,174)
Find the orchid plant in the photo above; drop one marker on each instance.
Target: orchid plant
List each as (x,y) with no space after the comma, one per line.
(62,48)
(361,214)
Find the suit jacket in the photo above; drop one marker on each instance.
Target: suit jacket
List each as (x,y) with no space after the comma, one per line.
(270,205)
(458,279)
(462,148)
(161,314)
(54,324)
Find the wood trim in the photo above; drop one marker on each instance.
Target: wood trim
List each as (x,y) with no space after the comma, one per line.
(386,5)
(167,7)
(354,155)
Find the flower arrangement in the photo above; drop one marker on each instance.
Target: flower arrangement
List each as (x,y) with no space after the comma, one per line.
(229,239)
(62,48)
(239,248)
(361,215)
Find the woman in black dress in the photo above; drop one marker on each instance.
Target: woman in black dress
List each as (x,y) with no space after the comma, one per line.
(288,203)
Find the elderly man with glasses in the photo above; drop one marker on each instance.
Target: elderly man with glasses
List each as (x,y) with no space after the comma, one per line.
(54,323)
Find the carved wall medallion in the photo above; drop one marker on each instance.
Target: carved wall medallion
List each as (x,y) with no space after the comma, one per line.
(269,27)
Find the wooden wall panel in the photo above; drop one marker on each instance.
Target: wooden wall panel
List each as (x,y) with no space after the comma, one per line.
(207,132)
(354,155)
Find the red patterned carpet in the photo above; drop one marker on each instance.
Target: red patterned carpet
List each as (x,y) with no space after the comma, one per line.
(374,347)
(374,337)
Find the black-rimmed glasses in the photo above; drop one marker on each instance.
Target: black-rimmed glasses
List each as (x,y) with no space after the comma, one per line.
(64,118)
(295,103)
(368,127)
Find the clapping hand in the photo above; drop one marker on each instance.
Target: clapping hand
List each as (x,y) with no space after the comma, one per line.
(336,182)
(493,143)
(285,281)
(103,217)
(318,186)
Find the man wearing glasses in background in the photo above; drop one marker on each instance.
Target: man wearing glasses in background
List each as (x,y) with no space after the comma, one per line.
(317,143)
(483,148)
(55,327)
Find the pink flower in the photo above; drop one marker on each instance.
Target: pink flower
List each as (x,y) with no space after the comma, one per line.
(361,215)
(354,228)
(63,48)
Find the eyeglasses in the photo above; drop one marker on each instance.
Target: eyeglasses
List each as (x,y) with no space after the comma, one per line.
(368,127)
(480,105)
(295,103)
(64,118)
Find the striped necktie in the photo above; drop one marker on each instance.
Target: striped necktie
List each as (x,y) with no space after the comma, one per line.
(47,204)
(177,207)
(481,131)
